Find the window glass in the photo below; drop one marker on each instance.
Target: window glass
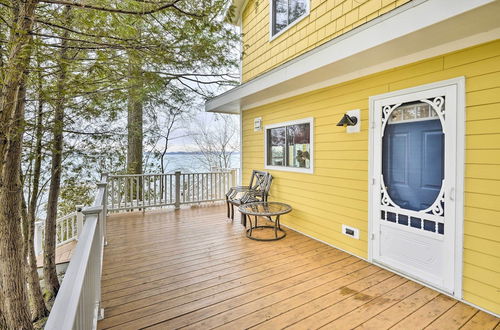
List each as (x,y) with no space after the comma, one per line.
(412,112)
(296,8)
(276,146)
(298,145)
(289,146)
(280,15)
(286,12)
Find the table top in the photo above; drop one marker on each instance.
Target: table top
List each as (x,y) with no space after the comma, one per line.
(265,208)
(240,188)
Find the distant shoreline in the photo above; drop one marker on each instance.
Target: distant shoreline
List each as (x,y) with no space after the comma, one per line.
(190,152)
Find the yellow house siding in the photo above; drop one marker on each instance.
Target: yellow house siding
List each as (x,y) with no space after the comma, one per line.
(327,19)
(337,192)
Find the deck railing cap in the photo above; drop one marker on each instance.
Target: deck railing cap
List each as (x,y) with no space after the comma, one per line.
(92,210)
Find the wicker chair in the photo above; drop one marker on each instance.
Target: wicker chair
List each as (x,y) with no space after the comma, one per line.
(256,191)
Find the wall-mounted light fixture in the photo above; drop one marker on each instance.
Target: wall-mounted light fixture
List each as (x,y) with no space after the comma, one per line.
(347,121)
(352,121)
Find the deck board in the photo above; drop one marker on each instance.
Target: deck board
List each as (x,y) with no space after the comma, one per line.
(193,268)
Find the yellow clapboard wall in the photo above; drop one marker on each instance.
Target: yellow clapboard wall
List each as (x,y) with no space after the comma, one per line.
(327,19)
(337,192)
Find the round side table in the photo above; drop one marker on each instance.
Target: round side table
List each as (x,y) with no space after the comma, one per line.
(268,210)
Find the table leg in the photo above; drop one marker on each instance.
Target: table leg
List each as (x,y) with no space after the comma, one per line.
(251,226)
(276,226)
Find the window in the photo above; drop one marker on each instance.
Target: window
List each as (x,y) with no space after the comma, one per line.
(289,146)
(286,12)
(412,112)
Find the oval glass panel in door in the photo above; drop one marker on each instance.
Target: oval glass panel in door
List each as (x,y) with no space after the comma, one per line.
(413,161)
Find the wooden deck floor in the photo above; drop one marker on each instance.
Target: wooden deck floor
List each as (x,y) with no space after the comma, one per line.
(195,269)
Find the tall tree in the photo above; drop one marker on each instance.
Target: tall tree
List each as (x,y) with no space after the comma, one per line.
(49,258)
(15,306)
(37,303)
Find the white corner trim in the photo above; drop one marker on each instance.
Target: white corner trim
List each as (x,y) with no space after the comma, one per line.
(240,174)
(310,170)
(289,26)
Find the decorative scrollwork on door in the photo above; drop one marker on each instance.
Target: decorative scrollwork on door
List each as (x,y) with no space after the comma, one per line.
(430,219)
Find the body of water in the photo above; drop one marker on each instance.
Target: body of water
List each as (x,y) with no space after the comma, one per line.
(185,162)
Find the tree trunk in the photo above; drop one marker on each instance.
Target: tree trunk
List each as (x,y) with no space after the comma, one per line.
(14,304)
(11,240)
(38,308)
(135,116)
(49,251)
(3,322)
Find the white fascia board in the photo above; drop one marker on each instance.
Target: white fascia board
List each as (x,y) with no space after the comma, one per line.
(412,28)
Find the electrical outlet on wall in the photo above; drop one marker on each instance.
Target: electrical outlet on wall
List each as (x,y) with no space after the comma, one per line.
(350,231)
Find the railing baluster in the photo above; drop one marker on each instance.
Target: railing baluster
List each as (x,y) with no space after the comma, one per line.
(131,192)
(138,191)
(154,188)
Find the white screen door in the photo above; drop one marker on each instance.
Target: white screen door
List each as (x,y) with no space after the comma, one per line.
(416,177)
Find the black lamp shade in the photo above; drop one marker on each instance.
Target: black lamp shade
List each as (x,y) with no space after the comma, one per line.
(347,121)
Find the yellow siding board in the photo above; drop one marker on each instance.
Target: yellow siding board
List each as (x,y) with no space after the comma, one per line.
(479,274)
(482,230)
(477,53)
(337,192)
(484,201)
(473,69)
(483,141)
(484,81)
(481,112)
(478,244)
(480,215)
(482,156)
(369,7)
(485,96)
(489,126)
(477,258)
(479,300)
(482,186)
(482,171)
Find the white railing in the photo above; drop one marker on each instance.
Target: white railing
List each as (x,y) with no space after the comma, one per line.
(68,229)
(129,192)
(78,302)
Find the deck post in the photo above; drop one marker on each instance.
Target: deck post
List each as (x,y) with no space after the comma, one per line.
(177,190)
(79,220)
(104,186)
(96,259)
(233,177)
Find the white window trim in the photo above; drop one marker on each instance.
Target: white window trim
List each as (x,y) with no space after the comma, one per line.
(310,170)
(271,20)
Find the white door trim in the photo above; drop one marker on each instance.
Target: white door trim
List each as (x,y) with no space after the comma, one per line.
(459,155)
